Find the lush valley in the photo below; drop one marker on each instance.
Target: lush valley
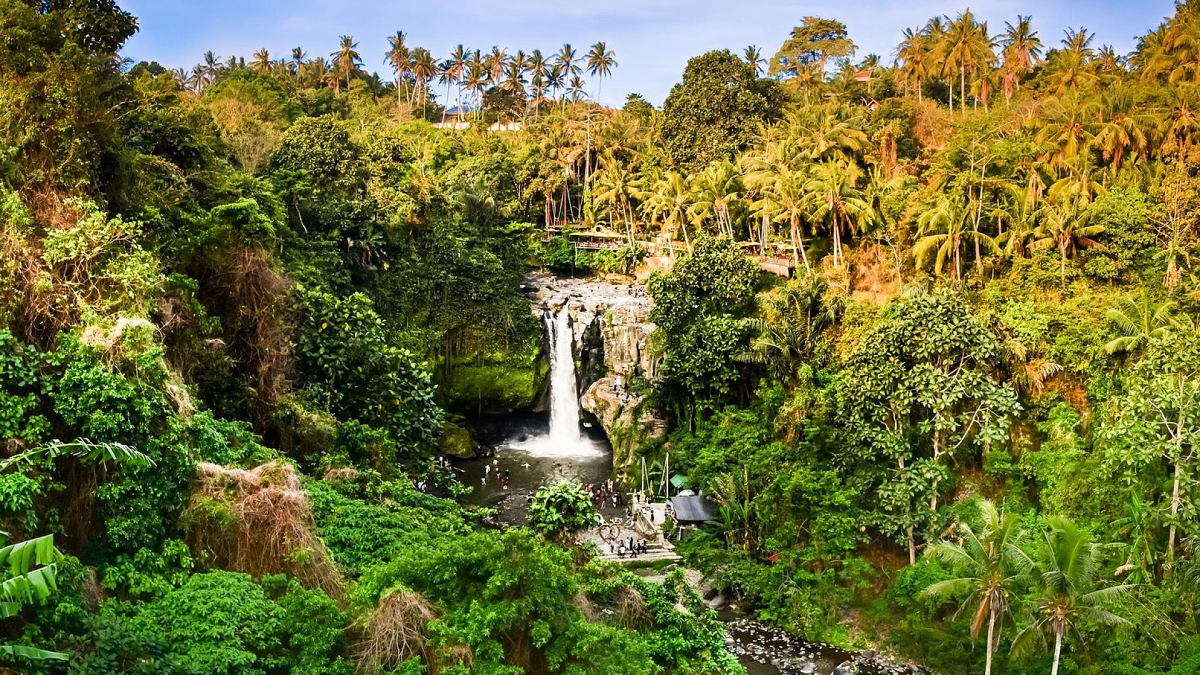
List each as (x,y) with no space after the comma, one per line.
(925,332)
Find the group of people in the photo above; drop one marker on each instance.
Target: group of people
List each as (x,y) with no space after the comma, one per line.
(504,476)
(606,493)
(624,547)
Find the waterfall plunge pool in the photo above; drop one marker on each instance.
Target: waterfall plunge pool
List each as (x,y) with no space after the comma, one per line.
(539,449)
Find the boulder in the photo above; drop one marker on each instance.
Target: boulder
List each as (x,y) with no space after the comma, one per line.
(457,442)
(627,421)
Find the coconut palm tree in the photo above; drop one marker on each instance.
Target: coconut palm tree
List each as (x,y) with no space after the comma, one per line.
(400,58)
(600,63)
(914,59)
(1139,320)
(1121,129)
(615,190)
(1022,50)
(1070,67)
(493,64)
(754,57)
(992,568)
(833,198)
(568,58)
(941,230)
(781,191)
(537,78)
(1062,226)
(789,324)
(347,59)
(297,60)
(454,71)
(714,193)
(1068,589)
(667,201)
(424,69)
(261,62)
(556,78)
(965,49)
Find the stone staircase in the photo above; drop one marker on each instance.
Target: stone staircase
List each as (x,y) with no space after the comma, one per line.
(620,529)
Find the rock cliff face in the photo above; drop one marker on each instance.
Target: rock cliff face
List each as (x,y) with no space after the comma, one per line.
(611,322)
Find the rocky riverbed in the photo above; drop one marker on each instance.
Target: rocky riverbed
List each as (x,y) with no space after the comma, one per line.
(763,650)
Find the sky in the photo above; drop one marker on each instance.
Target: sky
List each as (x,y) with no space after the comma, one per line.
(653,39)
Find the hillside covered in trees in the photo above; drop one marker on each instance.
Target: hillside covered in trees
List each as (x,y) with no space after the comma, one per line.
(243,306)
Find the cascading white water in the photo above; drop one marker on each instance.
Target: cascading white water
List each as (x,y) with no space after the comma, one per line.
(564,395)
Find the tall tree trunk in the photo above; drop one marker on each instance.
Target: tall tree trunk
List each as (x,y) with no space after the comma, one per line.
(912,541)
(987,668)
(1062,265)
(1175,501)
(962,84)
(1057,652)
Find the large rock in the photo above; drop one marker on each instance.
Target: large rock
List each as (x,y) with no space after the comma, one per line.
(457,441)
(626,418)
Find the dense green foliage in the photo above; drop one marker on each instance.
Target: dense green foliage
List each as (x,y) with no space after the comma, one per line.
(241,306)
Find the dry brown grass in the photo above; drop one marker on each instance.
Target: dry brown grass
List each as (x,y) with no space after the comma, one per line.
(631,609)
(259,521)
(397,631)
(260,292)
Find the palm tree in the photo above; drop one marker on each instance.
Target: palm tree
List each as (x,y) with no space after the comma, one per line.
(537,78)
(914,59)
(966,48)
(297,61)
(576,88)
(600,63)
(781,192)
(1121,130)
(754,57)
(424,69)
(791,319)
(833,198)
(1022,49)
(454,71)
(1066,576)
(556,78)
(494,64)
(714,193)
(1070,67)
(1139,321)
(993,567)
(210,69)
(941,229)
(668,201)
(261,62)
(400,58)
(476,78)
(1062,226)
(347,60)
(615,191)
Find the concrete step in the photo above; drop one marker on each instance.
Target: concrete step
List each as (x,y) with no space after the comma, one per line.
(652,555)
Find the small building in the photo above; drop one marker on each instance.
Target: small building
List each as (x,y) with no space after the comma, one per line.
(692,509)
(456,117)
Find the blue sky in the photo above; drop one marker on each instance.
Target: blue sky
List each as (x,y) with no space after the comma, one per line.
(653,38)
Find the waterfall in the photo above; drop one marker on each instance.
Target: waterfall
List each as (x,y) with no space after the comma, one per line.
(564,394)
